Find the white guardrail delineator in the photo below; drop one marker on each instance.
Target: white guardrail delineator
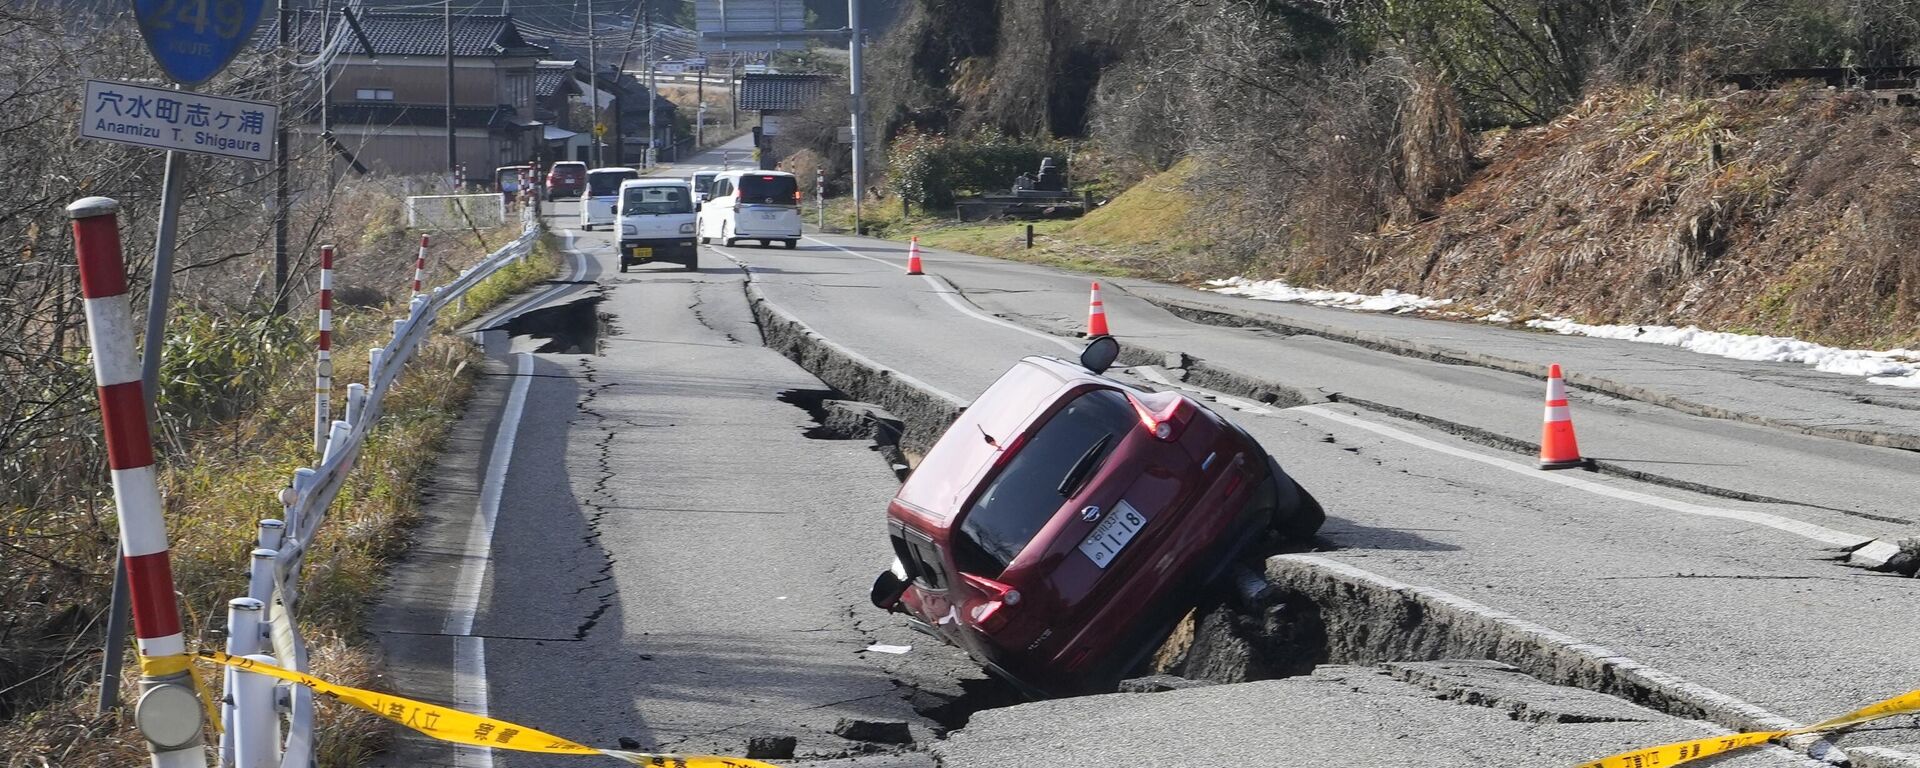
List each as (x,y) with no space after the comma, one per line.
(270,725)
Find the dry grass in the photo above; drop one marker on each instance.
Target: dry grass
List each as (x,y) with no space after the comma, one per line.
(1146,231)
(227,479)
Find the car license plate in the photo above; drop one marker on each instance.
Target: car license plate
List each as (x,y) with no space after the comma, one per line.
(640,253)
(1112,534)
(769,216)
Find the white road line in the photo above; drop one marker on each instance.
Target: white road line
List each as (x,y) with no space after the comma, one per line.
(470,691)
(470,694)
(1817,533)
(469,650)
(948,293)
(473,566)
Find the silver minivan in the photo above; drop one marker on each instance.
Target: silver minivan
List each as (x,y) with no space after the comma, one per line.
(752,205)
(602,195)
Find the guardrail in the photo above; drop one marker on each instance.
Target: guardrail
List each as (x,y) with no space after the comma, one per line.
(270,610)
(266,724)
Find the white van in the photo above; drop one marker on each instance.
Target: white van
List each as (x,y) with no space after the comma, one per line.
(752,205)
(656,222)
(601,195)
(703,186)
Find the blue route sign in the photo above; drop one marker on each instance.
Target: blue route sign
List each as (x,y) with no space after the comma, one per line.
(194,39)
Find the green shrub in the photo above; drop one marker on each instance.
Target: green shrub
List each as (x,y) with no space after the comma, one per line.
(931,170)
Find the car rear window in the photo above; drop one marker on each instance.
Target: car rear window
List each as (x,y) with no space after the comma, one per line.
(703,184)
(608,184)
(648,201)
(767,189)
(1020,500)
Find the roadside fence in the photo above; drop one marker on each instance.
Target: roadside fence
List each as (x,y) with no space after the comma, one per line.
(264,723)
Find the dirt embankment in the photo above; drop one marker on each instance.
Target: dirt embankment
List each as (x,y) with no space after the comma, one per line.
(1787,213)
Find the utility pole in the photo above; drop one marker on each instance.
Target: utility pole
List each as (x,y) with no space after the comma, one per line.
(699,105)
(859,108)
(326,127)
(453,154)
(280,181)
(593,88)
(733,71)
(653,93)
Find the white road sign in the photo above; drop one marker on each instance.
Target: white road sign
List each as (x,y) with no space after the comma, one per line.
(163,118)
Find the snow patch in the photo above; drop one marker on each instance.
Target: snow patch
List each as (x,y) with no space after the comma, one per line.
(1276,290)
(1895,367)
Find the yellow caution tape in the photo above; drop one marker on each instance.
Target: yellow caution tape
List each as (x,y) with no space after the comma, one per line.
(455,726)
(1683,752)
(1689,751)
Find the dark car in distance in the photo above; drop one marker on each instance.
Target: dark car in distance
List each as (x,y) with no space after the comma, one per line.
(1066,520)
(567,178)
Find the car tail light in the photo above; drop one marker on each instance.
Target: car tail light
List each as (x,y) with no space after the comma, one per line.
(989,611)
(1166,423)
(796,197)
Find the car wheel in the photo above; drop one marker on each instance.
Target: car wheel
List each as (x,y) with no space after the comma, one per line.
(1303,520)
(723,235)
(586,227)
(623,265)
(693,263)
(792,244)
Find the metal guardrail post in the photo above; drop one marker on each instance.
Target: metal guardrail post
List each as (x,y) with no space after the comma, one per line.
(242,746)
(356,401)
(271,531)
(170,712)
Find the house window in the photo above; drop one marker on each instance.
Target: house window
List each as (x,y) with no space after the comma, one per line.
(373,94)
(520,90)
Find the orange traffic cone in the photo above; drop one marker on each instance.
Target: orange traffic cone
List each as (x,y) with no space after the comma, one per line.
(1096,315)
(1558,449)
(913,256)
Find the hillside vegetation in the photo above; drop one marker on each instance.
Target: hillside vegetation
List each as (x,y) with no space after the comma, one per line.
(1586,159)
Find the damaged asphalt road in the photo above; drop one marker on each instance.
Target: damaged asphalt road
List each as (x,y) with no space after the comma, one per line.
(692,517)
(682,549)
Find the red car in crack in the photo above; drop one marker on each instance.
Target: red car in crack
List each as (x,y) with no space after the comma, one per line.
(1066,520)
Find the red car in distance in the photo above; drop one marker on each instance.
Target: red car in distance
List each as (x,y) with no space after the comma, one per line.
(566,178)
(1066,520)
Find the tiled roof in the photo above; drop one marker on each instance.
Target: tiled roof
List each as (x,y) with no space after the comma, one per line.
(420,115)
(549,79)
(413,34)
(779,92)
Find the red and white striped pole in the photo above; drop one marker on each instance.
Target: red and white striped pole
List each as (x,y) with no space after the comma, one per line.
(420,266)
(323,363)
(170,711)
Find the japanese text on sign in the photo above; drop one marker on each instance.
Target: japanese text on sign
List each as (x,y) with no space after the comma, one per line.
(168,119)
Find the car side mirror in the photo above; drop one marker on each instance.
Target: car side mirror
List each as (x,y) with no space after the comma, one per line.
(1100,354)
(887,589)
